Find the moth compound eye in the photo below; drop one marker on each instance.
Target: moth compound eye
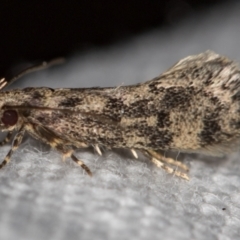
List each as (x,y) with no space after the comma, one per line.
(9,117)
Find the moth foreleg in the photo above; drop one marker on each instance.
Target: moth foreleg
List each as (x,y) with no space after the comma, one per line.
(161,162)
(7,138)
(16,142)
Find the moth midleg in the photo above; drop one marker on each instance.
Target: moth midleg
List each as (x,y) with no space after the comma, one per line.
(7,138)
(82,164)
(68,152)
(160,161)
(58,143)
(16,142)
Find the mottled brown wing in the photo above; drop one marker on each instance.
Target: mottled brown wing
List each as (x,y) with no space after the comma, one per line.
(76,128)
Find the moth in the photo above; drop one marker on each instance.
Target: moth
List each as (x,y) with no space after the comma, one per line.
(192,107)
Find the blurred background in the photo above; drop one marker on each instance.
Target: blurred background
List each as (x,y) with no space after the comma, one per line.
(42,30)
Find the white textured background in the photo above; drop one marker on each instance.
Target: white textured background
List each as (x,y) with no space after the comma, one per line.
(42,197)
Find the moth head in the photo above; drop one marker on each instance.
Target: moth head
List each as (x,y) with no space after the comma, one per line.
(8,119)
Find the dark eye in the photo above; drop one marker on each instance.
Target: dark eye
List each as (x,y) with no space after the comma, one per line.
(10,117)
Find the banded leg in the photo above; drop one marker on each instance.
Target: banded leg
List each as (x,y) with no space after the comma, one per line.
(69,153)
(6,139)
(168,160)
(58,143)
(82,164)
(161,161)
(16,142)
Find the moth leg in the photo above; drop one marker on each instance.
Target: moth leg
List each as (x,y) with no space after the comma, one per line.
(16,142)
(68,152)
(98,150)
(57,143)
(6,139)
(169,169)
(159,160)
(168,160)
(134,153)
(82,164)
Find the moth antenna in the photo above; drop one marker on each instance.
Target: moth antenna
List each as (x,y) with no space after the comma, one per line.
(6,82)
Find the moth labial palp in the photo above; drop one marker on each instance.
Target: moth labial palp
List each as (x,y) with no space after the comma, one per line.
(192,107)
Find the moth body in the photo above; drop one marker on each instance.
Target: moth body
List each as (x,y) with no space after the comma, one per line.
(192,107)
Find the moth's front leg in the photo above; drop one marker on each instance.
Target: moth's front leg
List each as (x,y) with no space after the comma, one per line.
(7,138)
(16,143)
